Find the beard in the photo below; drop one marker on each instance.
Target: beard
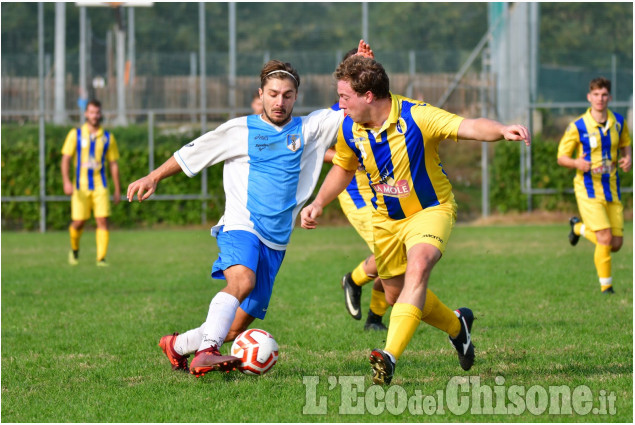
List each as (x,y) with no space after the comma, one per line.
(95,122)
(279,122)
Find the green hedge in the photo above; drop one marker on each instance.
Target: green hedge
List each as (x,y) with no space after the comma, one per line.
(546,173)
(20,177)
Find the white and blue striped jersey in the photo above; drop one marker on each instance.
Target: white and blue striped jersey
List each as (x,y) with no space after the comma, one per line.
(269,171)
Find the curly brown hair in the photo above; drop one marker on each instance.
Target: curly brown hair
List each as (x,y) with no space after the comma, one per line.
(600,83)
(364,74)
(278,69)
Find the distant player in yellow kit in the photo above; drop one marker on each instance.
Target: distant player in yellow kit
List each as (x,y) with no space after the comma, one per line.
(598,136)
(89,147)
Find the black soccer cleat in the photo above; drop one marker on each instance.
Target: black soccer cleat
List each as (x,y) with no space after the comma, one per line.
(573,238)
(373,322)
(463,342)
(608,291)
(383,367)
(352,296)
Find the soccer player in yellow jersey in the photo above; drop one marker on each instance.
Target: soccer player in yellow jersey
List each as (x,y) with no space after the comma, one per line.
(355,202)
(89,147)
(396,140)
(599,136)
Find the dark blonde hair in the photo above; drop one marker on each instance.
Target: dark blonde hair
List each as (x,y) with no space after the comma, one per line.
(364,74)
(600,83)
(278,69)
(94,102)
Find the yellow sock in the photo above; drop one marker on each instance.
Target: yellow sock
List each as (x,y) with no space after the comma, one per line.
(359,276)
(602,259)
(102,237)
(577,228)
(404,320)
(75,236)
(589,234)
(437,314)
(378,304)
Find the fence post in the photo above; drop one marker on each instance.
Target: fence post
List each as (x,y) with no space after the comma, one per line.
(42,145)
(201,29)
(484,145)
(151,140)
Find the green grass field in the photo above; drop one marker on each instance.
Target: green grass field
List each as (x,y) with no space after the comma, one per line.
(80,344)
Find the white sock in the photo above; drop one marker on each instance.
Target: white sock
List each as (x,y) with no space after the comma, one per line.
(606,281)
(187,343)
(582,229)
(222,311)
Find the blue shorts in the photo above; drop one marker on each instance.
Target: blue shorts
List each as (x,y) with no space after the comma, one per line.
(244,248)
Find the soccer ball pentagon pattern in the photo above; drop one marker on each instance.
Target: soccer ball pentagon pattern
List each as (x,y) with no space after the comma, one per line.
(257,349)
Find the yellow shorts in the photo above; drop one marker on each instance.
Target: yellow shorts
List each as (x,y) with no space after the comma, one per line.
(85,201)
(393,238)
(598,214)
(361,218)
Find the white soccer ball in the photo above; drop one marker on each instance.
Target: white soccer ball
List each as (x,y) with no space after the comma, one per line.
(257,349)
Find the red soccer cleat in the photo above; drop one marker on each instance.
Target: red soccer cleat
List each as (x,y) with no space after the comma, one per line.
(211,359)
(178,361)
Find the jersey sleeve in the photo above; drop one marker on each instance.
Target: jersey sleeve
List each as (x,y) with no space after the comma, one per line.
(344,155)
(436,123)
(323,124)
(70,143)
(569,141)
(625,137)
(112,154)
(227,141)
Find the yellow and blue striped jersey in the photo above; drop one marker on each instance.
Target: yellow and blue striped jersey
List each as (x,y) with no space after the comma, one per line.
(401,160)
(358,192)
(89,154)
(599,144)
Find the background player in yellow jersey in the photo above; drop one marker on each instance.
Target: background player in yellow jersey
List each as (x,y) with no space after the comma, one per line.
(89,147)
(355,202)
(396,140)
(598,136)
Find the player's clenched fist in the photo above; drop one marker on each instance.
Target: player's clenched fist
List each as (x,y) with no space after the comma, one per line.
(309,215)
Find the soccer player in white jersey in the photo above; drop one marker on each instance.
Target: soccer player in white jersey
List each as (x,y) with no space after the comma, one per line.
(272,162)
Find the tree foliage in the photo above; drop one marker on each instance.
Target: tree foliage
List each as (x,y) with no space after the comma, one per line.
(173,27)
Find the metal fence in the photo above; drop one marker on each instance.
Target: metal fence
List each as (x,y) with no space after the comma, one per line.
(501,78)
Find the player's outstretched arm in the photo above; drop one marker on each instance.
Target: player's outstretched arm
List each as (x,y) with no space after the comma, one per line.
(146,186)
(487,130)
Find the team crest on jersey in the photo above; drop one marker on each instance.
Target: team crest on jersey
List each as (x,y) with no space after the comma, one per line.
(401,126)
(294,142)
